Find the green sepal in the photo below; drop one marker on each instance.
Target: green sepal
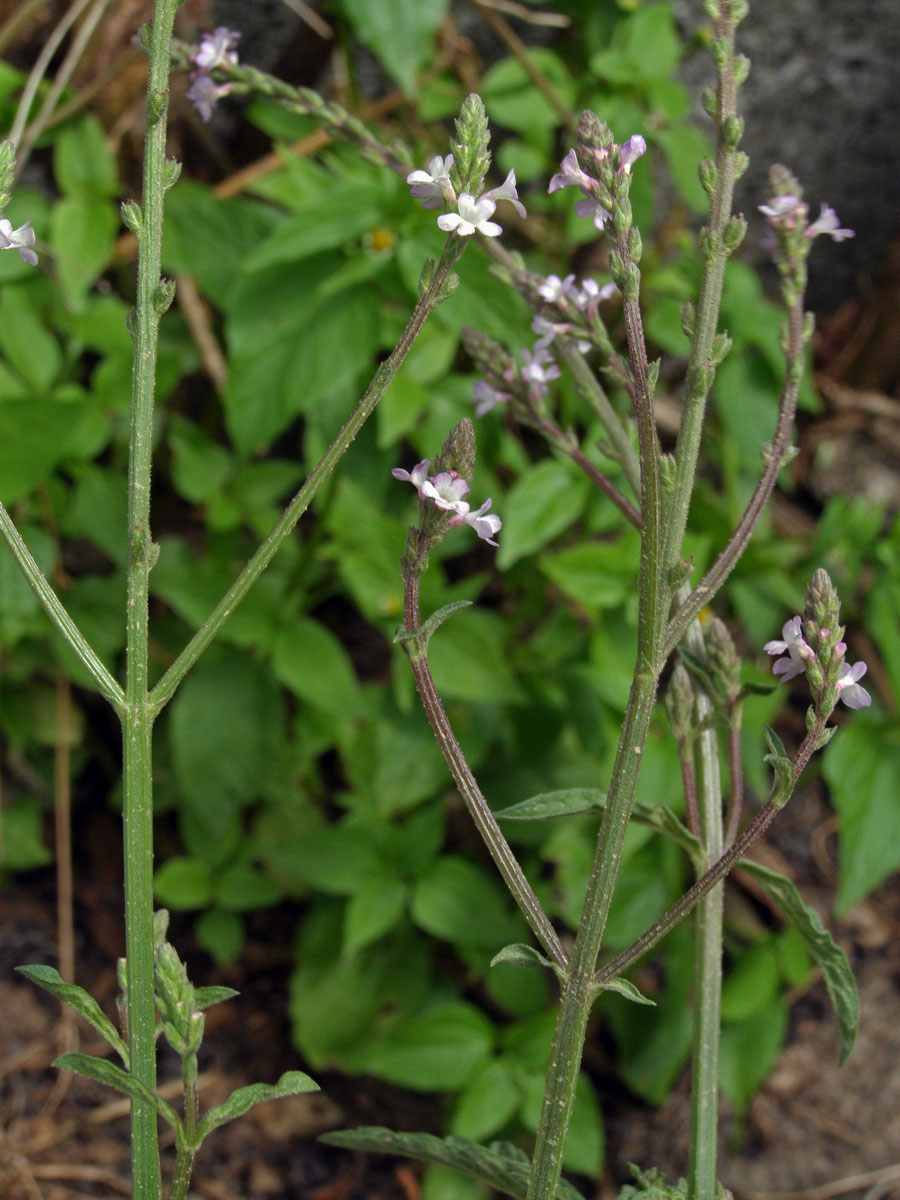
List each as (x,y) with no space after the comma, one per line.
(104,1071)
(821,945)
(291,1083)
(81,1001)
(500,1165)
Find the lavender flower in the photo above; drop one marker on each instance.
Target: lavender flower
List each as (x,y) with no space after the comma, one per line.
(571,175)
(852,694)
(204,94)
(433,187)
(21,239)
(538,369)
(473,217)
(630,152)
(217,49)
(827,222)
(486,397)
(416,477)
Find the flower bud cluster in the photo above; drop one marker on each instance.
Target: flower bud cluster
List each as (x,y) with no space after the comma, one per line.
(455,182)
(813,645)
(601,170)
(442,494)
(216,49)
(176,1002)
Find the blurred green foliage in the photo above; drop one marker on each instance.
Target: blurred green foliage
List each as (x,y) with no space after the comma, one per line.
(295,762)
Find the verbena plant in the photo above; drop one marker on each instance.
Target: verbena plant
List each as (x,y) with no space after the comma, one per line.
(651,492)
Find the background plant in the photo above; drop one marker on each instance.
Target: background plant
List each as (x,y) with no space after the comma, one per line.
(275,259)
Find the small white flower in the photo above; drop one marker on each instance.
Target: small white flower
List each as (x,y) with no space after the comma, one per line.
(553,288)
(486,526)
(448,491)
(507,191)
(473,216)
(538,368)
(591,294)
(433,187)
(21,239)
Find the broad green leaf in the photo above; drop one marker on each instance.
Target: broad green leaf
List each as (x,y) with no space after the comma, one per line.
(27,344)
(344,213)
(337,859)
(83,160)
(460,902)
(820,945)
(291,1083)
(544,502)
(862,767)
(112,1076)
(242,887)
(183,883)
(597,575)
(309,659)
(512,100)
(221,934)
(751,984)
(440,1050)
(585,1140)
(500,1166)
(83,230)
(488,1102)
(373,910)
(208,236)
(400,33)
(200,466)
(81,1001)
(224,727)
(748,1050)
(23,845)
(468,659)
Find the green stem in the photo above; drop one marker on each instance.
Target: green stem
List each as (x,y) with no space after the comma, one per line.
(578,992)
(137,719)
(52,605)
(699,376)
(702,1172)
(264,554)
(485,821)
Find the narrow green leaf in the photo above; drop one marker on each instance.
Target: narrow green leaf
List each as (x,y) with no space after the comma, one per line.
(108,1073)
(83,1002)
(569,801)
(291,1083)
(521,955)
(626,988)
(495,1165)
(206,997)
(820,944)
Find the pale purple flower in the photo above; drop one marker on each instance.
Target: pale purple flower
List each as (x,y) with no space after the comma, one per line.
(591,294)
(417,477)
(433,187)
(538,369)
(784,211)
(216,49)
(630,152)
(827,222)
(547,331)
(204,94)
(448,491)
(553,288)
(792,644)
(571,175)
(21,239)
(507,191)
(473,217)
(849,690)
(486,526)
(487,397)
(589,207)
